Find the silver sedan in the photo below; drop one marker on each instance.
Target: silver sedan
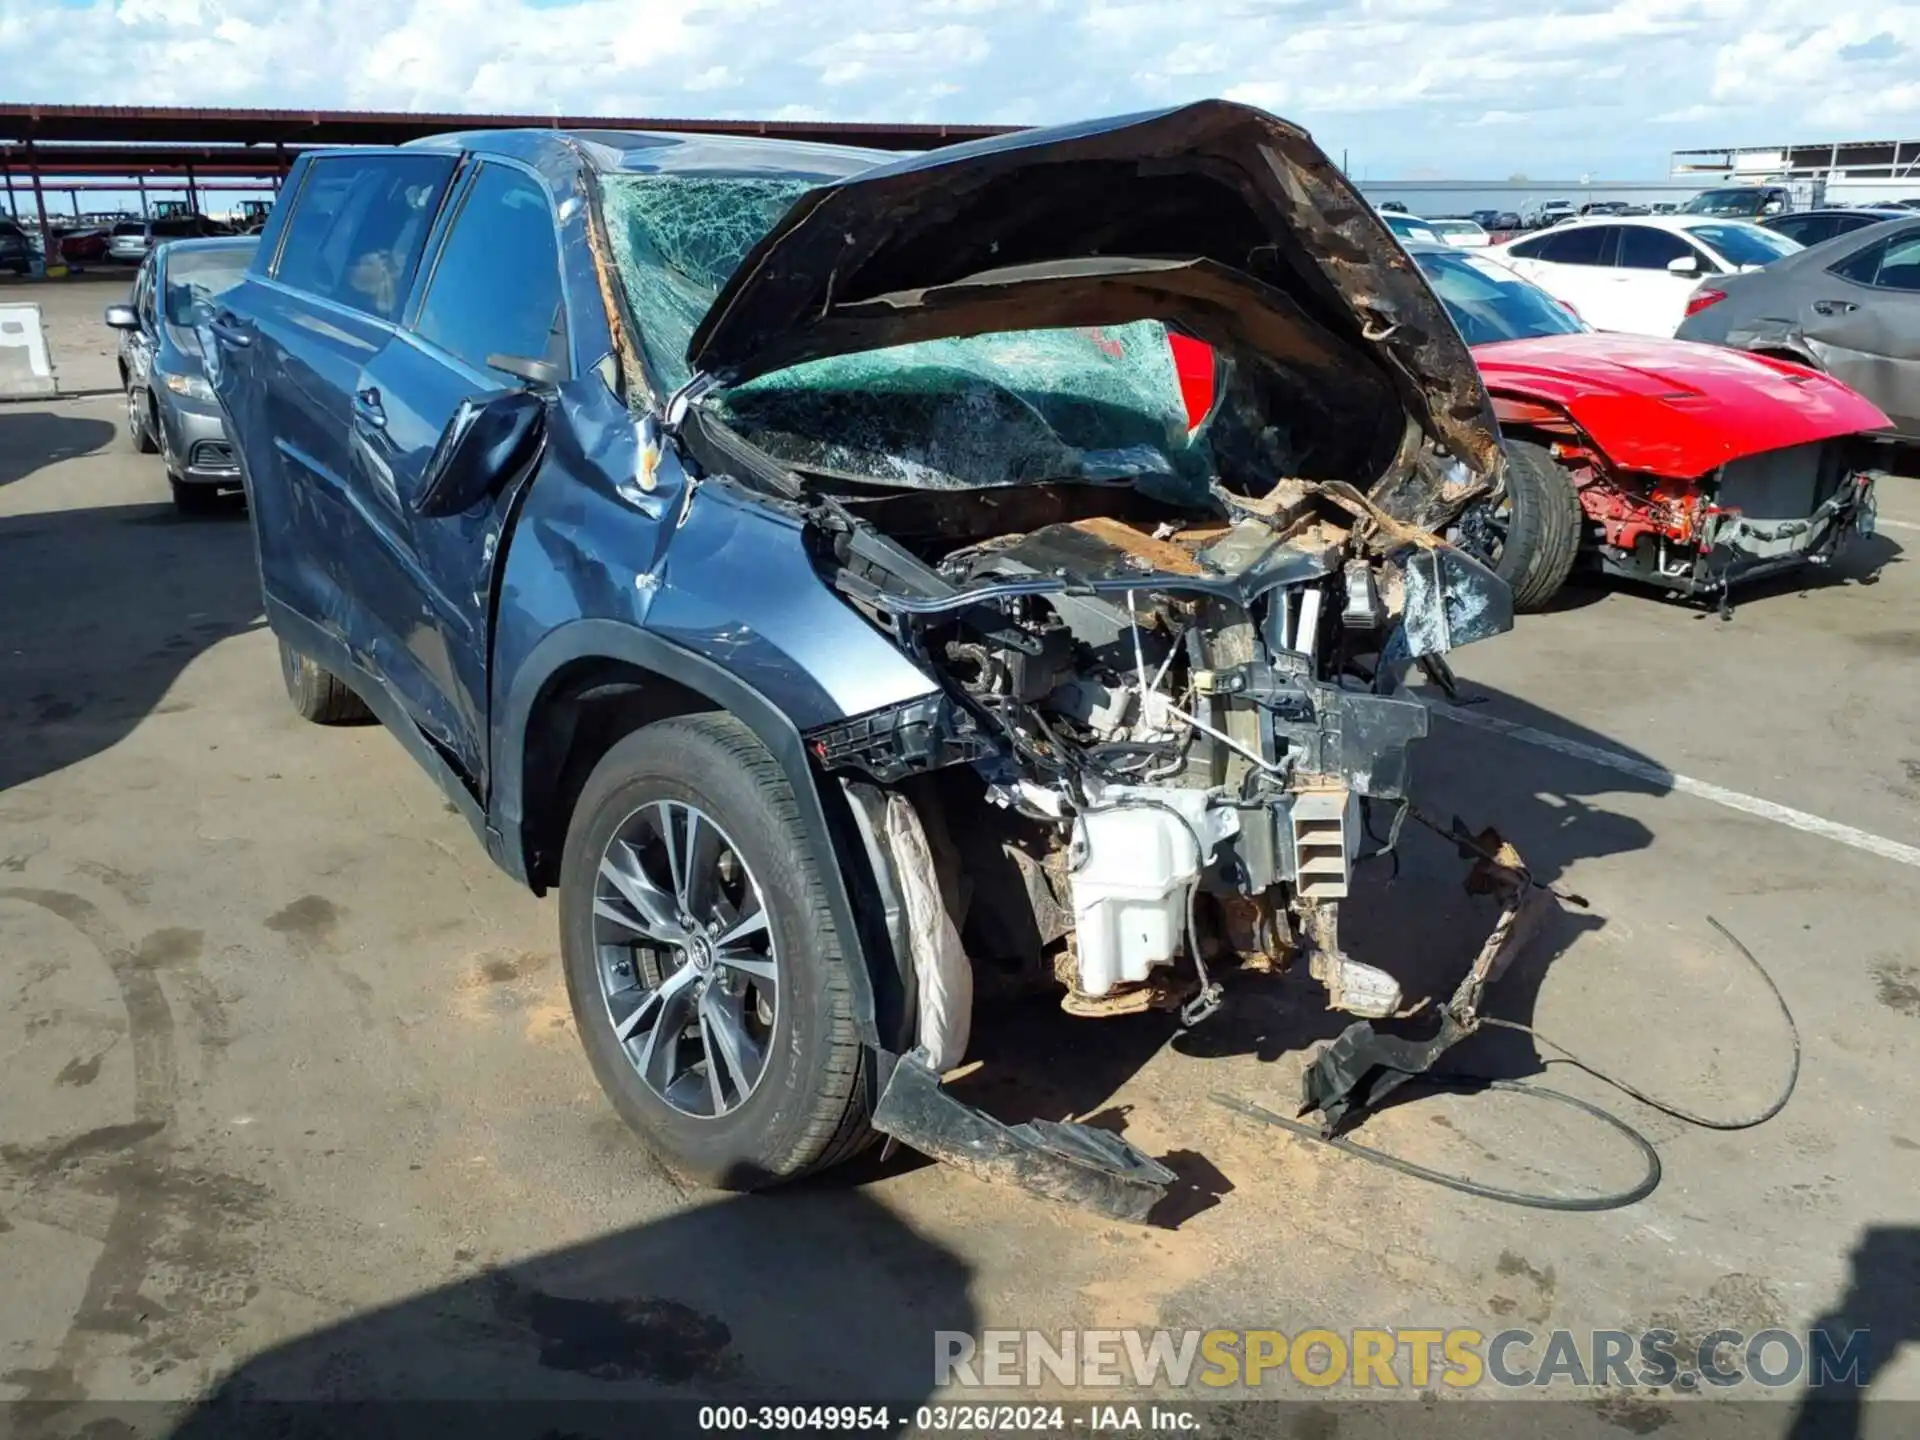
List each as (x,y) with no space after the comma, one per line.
(170,408)
(1849,306)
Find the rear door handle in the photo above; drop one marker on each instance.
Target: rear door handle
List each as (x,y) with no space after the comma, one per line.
(1834,307)
(366,405)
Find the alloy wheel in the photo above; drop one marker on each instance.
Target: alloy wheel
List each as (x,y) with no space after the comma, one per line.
(688,966)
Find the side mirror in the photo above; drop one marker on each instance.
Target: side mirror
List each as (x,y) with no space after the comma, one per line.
(489,437)
(1685,266)
(121,317)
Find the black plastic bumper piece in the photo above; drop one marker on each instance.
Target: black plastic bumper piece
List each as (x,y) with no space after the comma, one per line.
(1095,1169)
(1362,1066)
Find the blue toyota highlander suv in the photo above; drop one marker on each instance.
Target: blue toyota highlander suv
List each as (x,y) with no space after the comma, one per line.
(801,557)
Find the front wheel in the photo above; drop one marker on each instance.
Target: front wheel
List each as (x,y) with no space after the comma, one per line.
(707,978)
(317,693)
(1532,533)
(140,427)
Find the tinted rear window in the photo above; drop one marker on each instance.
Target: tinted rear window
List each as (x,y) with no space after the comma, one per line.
(1642,247)
(1587,245)
(131,227)
(358,227)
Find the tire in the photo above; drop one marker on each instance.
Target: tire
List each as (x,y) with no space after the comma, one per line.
(318,694)
(140,422)
(808,1108)
(190,499)
(1543,527)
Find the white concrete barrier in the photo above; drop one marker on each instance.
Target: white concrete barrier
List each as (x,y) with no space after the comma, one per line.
(26,364)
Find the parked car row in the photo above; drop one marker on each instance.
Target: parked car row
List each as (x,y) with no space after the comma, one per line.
(105,238)
(1635,273)
(708,517)
(1682,466)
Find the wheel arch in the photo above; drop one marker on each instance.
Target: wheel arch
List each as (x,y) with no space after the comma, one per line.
(1778,351)
(592,682)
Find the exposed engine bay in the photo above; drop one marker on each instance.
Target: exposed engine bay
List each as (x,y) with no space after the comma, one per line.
(1158,729)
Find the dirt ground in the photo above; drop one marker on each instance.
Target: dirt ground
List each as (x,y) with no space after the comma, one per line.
(293,1099)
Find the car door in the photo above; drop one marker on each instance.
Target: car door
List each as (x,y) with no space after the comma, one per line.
(1863,319)
(141,342)
(325,305)
(488,313)
(1651,299)
(1573,264)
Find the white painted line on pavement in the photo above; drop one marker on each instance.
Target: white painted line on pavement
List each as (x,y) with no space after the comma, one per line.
(1687,785)
(1897,524)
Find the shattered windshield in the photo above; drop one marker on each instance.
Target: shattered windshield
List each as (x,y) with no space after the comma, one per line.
(676,239)
(1002,409)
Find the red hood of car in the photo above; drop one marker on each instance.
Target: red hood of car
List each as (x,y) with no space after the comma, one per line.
(1672,407)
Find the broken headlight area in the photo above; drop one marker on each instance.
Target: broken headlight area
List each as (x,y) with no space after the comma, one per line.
(1157,727)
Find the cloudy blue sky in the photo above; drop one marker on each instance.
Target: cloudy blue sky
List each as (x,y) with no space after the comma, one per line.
(1409,88)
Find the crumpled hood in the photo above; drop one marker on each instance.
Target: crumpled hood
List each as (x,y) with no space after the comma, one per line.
(1672,407)
(1216,218)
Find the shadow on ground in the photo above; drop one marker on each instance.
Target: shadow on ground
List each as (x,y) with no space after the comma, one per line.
(1408,914)
(1883,1299)
(105,607)
(31,440)
(803,1296)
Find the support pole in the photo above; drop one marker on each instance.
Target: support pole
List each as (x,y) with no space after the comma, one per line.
(47,255)
(144,215)
(193,196)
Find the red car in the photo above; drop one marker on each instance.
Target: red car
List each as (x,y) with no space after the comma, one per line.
(83,247)
(1687,466)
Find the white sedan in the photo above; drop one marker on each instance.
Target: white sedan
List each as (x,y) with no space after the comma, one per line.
(1461,234)
(1408,228)
(1634,273)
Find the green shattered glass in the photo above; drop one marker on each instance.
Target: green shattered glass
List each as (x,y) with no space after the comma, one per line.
(676,239)
(997,409)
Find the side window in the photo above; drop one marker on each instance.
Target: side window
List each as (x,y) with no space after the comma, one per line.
(1528,249)
(495,288)
(1584,245)
(143,294)
(1900,266)
(358,228)
(1644,248)
(1862,266)
(1807,229)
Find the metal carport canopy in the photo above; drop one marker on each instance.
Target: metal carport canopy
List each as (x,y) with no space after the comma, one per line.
(166,124)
